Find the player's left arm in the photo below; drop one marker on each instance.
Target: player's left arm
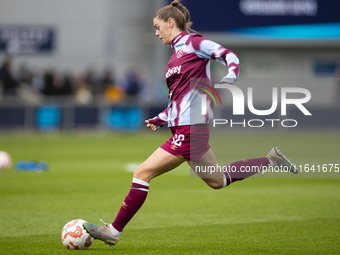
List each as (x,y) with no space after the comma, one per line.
(205,48)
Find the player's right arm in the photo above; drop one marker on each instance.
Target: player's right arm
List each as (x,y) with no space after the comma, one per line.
(160,120)
(153,127)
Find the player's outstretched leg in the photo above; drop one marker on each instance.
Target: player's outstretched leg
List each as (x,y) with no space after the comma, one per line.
(277,158)
(101,232)
(245,168)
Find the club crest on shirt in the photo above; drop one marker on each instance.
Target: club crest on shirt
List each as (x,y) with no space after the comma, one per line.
(179,53)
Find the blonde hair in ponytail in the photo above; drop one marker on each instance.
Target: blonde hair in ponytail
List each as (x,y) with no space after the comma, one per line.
(178,12)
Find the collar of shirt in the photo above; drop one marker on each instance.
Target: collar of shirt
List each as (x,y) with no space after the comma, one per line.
(177,37)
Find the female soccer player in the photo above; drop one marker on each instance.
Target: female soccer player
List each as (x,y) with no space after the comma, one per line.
(188,66)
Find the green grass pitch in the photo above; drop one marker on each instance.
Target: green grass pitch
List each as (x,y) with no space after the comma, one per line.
(88,179)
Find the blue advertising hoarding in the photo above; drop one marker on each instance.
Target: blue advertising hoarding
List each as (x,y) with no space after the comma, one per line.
(27,39)
(295,19)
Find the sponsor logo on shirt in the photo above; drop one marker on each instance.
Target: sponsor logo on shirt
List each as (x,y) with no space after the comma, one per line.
(174,70)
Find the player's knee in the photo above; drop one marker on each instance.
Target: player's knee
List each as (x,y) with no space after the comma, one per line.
(216,184)
(142,173)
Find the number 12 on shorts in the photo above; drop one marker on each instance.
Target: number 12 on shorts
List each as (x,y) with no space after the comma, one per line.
(178,139)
